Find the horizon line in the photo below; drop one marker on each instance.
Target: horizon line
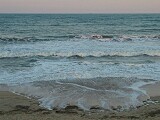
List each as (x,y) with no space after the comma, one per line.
(78,13)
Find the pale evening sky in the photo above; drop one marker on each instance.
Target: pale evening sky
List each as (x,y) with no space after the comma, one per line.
(79,6)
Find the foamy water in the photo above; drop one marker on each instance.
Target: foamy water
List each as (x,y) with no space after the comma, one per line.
(104,93)
(83,60)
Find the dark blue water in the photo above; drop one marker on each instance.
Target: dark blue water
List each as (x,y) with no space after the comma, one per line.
(54,47)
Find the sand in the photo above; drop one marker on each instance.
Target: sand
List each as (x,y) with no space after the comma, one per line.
(17,107)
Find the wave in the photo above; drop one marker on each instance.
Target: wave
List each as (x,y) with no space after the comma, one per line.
(33,39)
(27,39)
(99,37)
(104,56)
(94,36)
(16,39)
(78,55)
(113,37)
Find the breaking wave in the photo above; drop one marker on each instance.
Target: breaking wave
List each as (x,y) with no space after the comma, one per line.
(90,37)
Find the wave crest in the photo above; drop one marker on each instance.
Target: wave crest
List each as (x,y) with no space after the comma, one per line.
(99,37)
(77,55)
(16,39)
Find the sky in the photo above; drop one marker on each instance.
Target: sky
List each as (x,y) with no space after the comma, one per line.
(79,6)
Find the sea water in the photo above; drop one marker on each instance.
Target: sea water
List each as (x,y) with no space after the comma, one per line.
(80,59)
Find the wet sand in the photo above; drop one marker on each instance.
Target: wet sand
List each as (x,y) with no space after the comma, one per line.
(17,107)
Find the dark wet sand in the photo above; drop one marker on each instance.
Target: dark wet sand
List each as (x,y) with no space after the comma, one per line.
(16,107)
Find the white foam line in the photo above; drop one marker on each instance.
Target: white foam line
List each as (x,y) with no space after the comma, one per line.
(88,88)
(81,104)
(104,103)
(136,86)
(47,103)
(19,94)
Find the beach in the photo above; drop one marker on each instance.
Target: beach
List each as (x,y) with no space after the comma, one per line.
(18,107)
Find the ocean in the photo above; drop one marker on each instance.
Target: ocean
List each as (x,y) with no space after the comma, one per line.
(86,60)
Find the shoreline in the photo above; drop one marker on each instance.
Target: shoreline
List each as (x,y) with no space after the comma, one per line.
(16,107)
